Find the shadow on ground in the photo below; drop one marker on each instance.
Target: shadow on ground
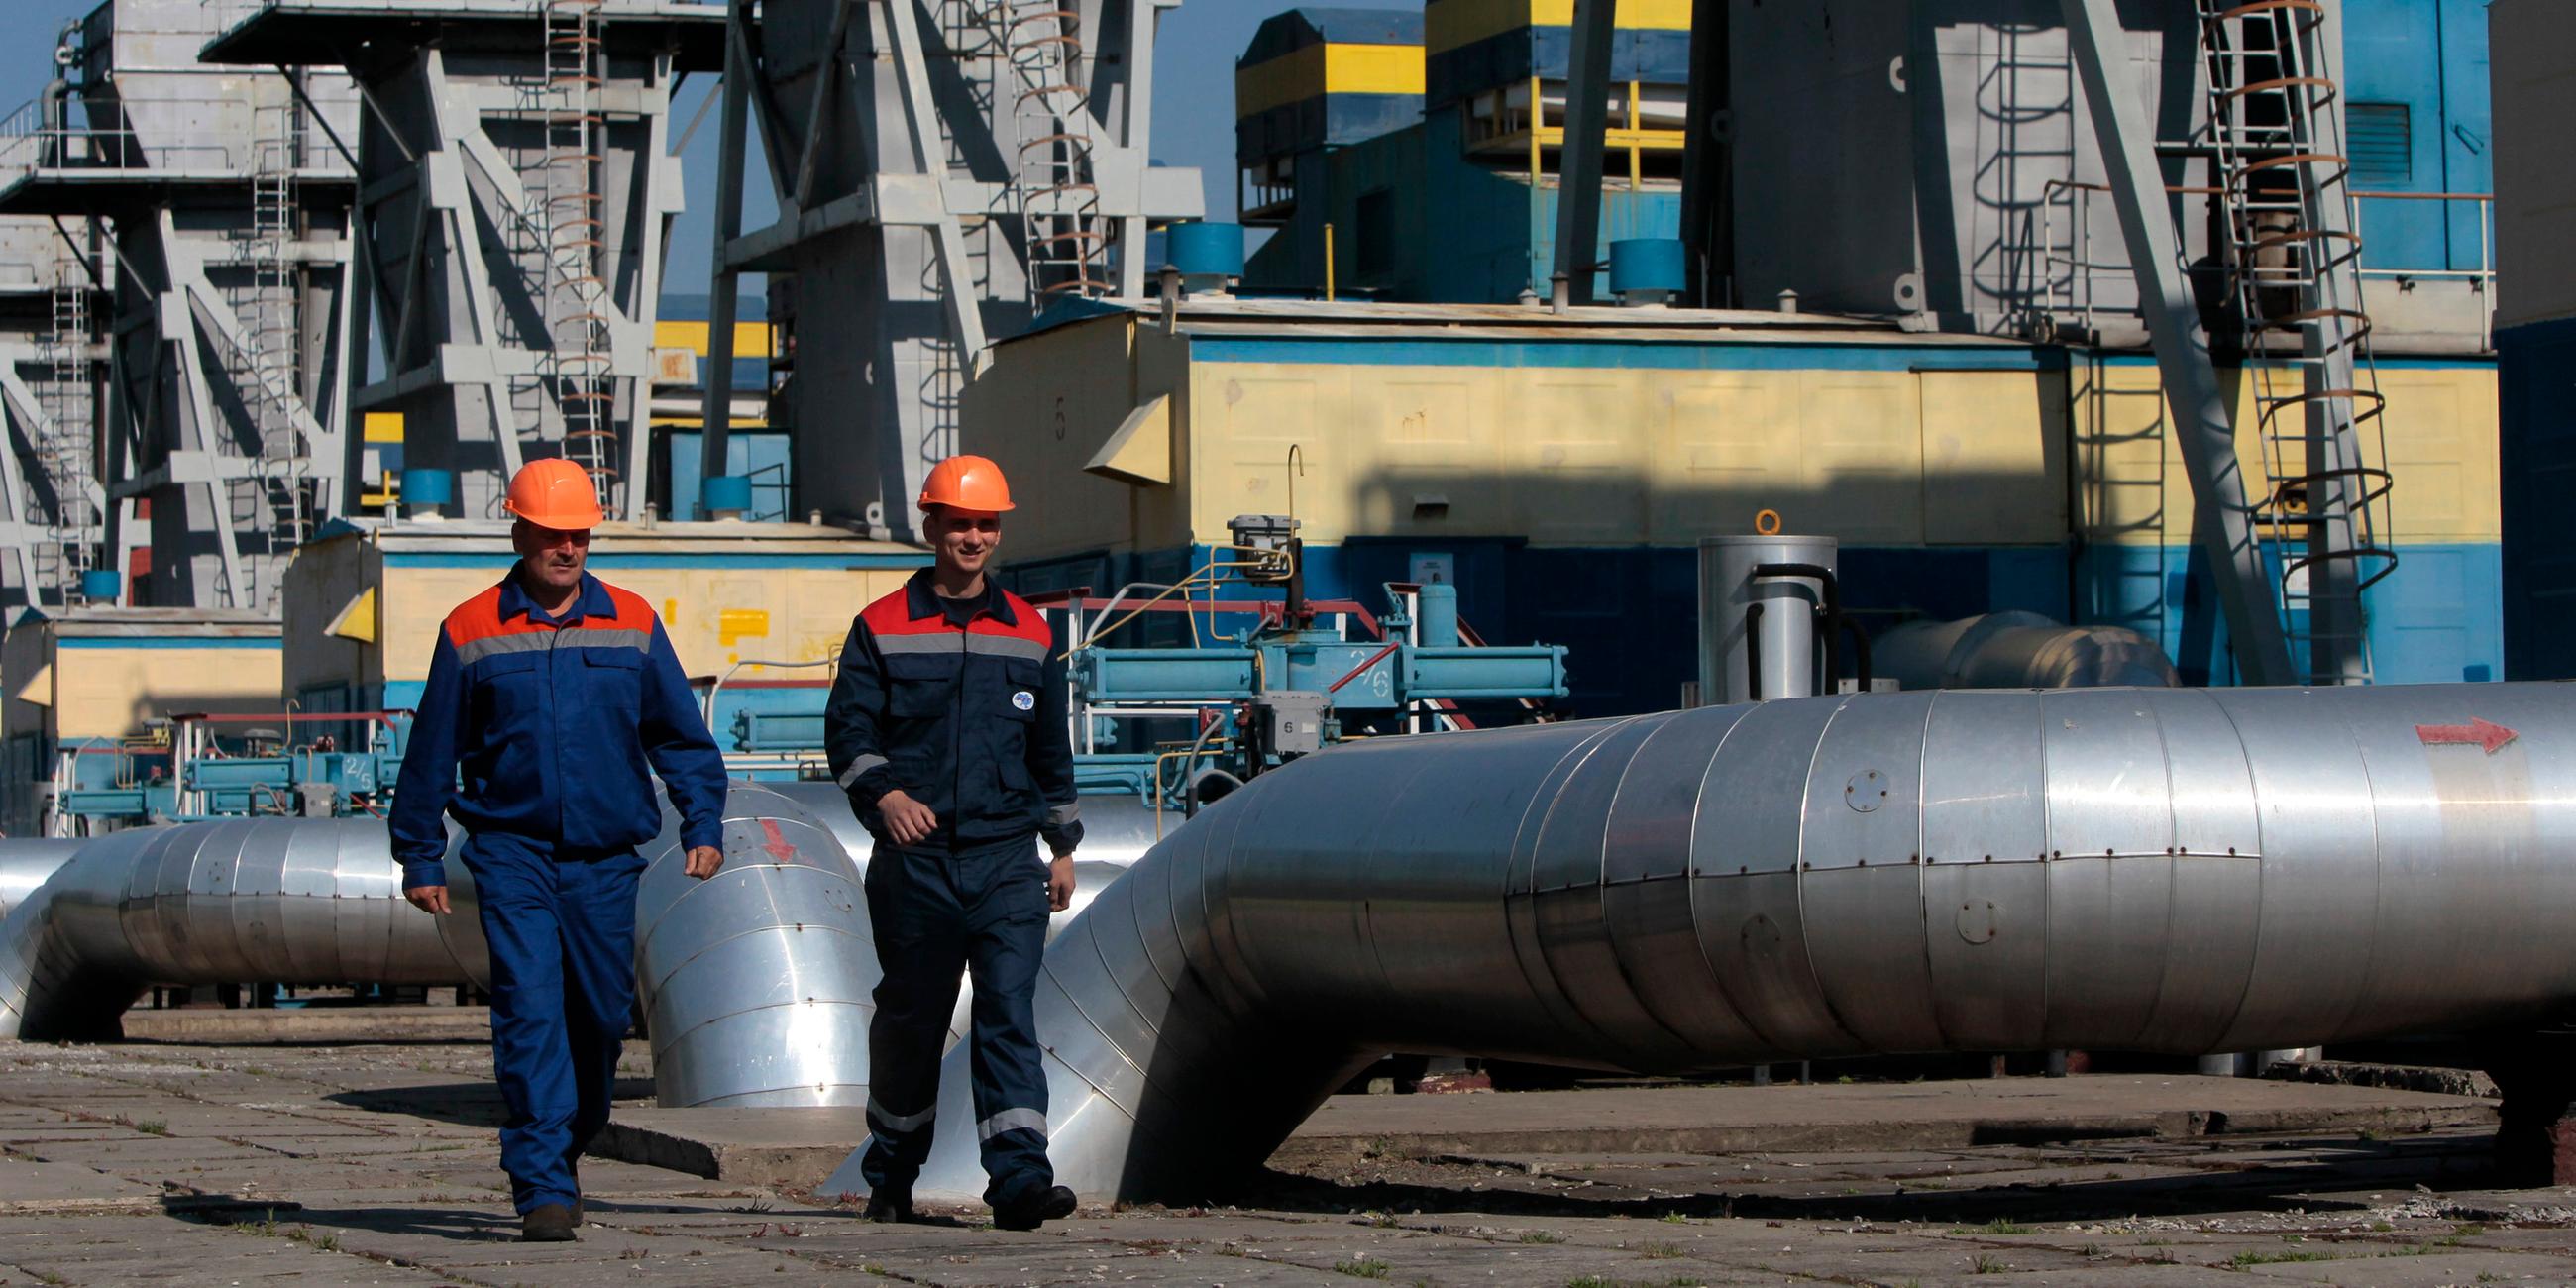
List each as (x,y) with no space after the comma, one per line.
(464,1222)
(2310,1174)
(466,1104)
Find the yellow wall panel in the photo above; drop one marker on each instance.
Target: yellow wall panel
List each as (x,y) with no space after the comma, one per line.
(1983,433)
(1733,450)
(1262,412)
(1582,455)
(1614,455)
(1862,451)
(1423,439)
(801,614)
(2440,428)
(109,692)
(1045,405)
(2123,459)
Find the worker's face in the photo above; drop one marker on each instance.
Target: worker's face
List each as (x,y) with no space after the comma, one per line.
(552,556)
(963,541)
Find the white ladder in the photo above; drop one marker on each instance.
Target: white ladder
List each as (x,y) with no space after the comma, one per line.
(578,359)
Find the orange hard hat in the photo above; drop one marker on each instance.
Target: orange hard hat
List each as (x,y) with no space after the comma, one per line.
(966,483)
(554,493)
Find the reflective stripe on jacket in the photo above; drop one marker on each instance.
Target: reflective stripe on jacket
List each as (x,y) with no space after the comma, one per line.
(558,726)
(970,722)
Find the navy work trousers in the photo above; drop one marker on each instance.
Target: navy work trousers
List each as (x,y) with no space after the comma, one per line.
(936,916)
(562,931)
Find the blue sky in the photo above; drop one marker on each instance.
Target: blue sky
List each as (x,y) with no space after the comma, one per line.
(1193,108)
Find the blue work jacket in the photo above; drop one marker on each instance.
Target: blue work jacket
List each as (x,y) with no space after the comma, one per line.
(966,719)
(558,725)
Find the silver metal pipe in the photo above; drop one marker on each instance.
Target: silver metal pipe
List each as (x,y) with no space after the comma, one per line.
(756,984)
(24,865)
(290,901)
(2015,650)
(2161,870)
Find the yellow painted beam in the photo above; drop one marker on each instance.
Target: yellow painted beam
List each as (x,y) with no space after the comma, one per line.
(1327,69)
(1448,24)
(357,620)
(750,339)
(1140,453)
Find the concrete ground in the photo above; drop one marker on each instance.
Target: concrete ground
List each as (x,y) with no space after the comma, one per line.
(237,1164)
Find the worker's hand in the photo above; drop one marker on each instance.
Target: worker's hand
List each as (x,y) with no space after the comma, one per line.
(429,899)
(909,820)
(703,861)
(1060,883)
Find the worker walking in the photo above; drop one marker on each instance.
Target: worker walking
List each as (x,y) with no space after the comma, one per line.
(554,692)
(947,729)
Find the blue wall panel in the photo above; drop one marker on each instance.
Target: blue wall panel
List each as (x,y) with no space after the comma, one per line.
(2536,385)
(2430,57)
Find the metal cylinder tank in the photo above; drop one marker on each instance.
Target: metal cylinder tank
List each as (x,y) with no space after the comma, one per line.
(1757,637)
(2163,870)
(2015,650)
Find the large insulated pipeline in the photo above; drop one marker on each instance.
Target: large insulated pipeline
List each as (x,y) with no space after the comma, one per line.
(2176,871)
(25,865)
(291,901)
(755,983)
(2015,650)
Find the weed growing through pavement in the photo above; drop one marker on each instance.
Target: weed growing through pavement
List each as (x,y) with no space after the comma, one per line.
(1541,1236)
(1661,1251)
(1364,1268)
(2249,1258)
(1988,1265)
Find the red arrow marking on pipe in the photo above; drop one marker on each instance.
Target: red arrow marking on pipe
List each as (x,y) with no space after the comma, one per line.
(2476,733)
(780,850)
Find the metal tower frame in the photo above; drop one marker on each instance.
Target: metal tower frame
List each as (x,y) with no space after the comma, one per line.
(2223,521)
(936,188)
(516,187)
(224,257)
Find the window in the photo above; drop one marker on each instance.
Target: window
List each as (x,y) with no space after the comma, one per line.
(1375,218)
(2383,147)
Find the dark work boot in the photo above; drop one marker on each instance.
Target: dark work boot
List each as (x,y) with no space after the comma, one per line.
(548,1223)
(1033,1208)
(889,1206)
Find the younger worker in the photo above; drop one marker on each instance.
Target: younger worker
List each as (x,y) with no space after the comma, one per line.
(553,691)
(947,728)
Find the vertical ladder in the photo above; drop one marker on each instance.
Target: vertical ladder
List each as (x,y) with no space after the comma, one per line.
(578,358)
(63,447)
(1040,45)
(274,321)
(2294,271)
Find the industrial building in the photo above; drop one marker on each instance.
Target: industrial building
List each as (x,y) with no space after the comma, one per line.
(1656,359)
(1917,333)
(2535,88)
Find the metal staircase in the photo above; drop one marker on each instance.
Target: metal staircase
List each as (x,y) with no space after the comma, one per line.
(1052,188)
(578,356)
(283,503)
(2293,272)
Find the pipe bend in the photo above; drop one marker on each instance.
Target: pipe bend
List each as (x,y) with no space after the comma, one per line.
(2175,871)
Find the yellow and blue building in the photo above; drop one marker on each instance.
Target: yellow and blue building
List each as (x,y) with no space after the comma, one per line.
(1429,143)
(1972,413)
(1560,468)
